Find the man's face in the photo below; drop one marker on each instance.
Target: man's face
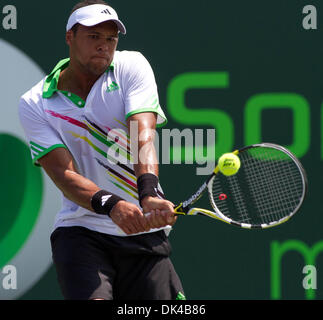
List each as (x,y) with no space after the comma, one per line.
(93,48)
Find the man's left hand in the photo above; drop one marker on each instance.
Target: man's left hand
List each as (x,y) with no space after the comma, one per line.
(161,212)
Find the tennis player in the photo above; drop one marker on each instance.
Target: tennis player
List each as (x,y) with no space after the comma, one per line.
(77,121)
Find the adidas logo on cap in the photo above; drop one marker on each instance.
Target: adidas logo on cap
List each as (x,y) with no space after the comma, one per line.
(106,11)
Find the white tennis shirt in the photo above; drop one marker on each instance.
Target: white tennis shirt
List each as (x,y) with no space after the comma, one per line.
(52,118)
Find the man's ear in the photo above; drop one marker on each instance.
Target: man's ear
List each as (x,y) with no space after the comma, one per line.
(69,36)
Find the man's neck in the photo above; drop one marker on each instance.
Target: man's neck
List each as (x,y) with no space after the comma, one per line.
(74,80)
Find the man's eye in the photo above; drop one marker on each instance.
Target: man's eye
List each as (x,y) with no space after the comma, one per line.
(112,39)
(93,36)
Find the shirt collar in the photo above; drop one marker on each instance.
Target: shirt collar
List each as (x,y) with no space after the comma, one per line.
(51,81)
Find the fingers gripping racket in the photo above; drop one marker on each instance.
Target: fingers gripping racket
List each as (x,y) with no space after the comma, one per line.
(268,189)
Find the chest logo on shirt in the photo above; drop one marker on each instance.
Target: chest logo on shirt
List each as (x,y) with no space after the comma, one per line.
(113,87)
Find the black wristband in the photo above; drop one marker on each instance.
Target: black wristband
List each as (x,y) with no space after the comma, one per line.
(103,201)
(147,185)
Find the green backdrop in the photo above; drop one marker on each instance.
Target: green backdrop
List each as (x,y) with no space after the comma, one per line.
(269,88)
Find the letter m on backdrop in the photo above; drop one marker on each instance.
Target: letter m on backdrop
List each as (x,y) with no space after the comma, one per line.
(277,252)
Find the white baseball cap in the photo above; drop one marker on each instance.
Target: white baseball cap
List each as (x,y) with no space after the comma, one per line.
(94,14)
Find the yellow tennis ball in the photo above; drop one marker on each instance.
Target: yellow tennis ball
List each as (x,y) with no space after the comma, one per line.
(229,164)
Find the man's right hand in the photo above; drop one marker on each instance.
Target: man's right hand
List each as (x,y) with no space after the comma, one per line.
(129,218)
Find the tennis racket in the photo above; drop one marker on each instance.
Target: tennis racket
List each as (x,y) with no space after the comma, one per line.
(268,189)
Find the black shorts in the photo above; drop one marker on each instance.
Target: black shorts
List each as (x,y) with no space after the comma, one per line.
(93,265)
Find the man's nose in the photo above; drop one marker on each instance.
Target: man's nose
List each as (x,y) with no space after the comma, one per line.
(103,46)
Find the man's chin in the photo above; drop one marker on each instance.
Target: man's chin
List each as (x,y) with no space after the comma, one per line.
(98,69)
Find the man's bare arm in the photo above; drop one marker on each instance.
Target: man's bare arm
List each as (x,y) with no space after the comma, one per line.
(60,167)
(162,212)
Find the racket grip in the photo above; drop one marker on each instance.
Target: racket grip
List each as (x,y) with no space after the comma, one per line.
(176,213)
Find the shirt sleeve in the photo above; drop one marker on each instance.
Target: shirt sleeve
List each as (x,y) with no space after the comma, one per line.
(41,136)
(141,94)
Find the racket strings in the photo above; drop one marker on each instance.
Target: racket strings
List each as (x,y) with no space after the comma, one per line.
(277,192)
(237,197)
(267,188)
(263,190)
(273,187)
(239,200)
(218,197)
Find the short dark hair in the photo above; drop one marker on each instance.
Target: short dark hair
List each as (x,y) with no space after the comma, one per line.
(82,4)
